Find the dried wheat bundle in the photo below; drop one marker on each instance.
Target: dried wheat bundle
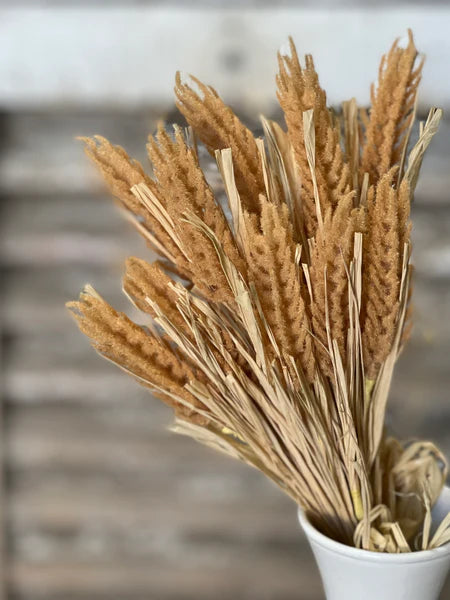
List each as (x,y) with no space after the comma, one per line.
(273,333)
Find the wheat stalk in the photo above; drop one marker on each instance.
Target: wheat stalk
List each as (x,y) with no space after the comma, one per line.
(273,326)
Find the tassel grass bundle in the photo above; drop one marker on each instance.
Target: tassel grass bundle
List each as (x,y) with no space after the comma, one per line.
(273,324)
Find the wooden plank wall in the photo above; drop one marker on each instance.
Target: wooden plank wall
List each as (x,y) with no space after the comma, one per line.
(100,501)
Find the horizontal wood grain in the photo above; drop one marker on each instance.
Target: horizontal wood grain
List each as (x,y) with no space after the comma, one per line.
(51,161)
(102,501)
(242,575)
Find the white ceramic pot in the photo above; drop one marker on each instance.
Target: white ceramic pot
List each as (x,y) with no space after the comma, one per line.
(353,574)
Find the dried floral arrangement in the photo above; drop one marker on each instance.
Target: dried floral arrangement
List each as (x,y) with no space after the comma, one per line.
(274,318)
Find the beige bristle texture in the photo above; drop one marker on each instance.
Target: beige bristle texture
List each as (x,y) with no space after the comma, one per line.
(392,109)
(184,187)
(120,340)
(383,259)
(330,262)
(144,280)
(120,174)
(298,91)
(218,127)
(277,281)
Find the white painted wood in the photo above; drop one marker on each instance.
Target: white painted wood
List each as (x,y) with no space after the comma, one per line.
(127,55)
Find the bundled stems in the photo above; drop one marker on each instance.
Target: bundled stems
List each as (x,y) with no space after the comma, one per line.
(273,324)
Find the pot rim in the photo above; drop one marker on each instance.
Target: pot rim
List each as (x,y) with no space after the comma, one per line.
(419,556)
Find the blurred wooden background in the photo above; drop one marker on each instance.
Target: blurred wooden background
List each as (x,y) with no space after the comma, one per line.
(99,500)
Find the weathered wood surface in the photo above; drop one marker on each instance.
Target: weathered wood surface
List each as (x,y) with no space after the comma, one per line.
(102,501)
